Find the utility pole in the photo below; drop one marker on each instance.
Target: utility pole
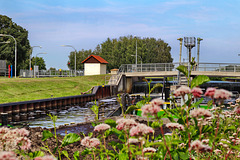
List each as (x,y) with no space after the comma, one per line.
(180,54)
(198,42)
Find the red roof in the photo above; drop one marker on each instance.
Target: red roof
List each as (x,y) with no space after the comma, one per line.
(98,58)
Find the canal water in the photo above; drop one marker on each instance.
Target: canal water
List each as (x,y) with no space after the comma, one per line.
(73,115)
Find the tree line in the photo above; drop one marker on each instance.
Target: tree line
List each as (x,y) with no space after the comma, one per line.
(123,51)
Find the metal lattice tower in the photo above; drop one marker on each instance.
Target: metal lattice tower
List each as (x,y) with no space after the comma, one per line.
(189,42)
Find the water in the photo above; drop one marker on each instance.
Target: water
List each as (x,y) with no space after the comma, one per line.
(73,115)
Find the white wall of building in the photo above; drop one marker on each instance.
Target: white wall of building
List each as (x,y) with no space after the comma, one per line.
(94,69)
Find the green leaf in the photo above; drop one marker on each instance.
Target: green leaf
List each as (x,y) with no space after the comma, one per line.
(131,108)
(46,134)
(76,155)
(199,80)
(85,152)
(111,122)
(183,155)
(36,154)
(183,69)
(42,148)
(156,86)
(70,138)
(65,153)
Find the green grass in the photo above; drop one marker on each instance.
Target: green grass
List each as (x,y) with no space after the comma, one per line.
(25,89)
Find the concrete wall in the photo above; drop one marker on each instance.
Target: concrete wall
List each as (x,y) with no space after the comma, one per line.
(94,69)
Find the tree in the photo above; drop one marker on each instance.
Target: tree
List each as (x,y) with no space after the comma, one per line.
(7,50)
(38,61)
(123,50)
(80,56)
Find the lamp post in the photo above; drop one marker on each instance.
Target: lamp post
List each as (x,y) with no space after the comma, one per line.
(198,42)
(180,54)
(136,50)
(75,56)
(6,35)
(30,57)
(140,58)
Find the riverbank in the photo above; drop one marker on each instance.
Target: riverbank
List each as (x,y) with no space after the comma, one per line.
(25,89)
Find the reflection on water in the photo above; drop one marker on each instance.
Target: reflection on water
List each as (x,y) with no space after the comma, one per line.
(75,114)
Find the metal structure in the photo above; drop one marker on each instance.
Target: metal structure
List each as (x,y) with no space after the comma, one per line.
(198,42)
(189,42)
(162,67)
(3,67)
(180,53)
(50,73)
(31,57)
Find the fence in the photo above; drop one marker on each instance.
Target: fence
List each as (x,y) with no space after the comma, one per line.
(49,73)
(157,67)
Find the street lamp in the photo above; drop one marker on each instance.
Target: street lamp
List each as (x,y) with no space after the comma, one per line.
(30,56)
(140,58)
(38,54)
(75,55)
(136,50)
(6,35)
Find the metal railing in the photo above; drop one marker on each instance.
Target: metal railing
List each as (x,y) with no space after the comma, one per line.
(49,73)
(159,67)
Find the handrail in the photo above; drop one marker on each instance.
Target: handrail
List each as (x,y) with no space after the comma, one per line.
(160,67)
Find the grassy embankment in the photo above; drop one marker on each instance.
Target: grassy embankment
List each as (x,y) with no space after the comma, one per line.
(25,89)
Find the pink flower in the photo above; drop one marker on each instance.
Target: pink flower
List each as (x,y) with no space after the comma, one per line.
(140,130)
(157,102)
(150,109)
(24,143)
(222,94)
(175,126)
(198,146)
(125,124)
(133,141)
(196,91)
(217,151)
(23,132)
(90,142)
(199,112)
(210,92)
(45,158)
(181,91)
(4,130)
(5,155)
(237,110)
(101,127)
(149,149)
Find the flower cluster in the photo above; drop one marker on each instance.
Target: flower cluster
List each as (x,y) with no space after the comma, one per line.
(222,94)
(175,126)
(7,155)
(199,112)
(101,127)
(150,109)
(199,147)
(197,92)
(125,124)
(90,142)
(140,130)
(149,149)
(11,139)
(181,91)
(45,158)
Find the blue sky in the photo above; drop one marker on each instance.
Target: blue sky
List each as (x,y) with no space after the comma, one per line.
(86,23)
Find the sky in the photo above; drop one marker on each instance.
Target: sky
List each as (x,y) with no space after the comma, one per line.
(84,24)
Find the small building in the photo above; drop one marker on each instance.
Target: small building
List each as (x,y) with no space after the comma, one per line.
(94,65)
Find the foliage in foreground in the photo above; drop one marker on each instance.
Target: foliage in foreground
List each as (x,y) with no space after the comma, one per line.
(197,133)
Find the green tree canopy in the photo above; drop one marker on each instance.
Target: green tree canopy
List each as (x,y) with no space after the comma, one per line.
(123,50)
(8,27)
(39,61)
